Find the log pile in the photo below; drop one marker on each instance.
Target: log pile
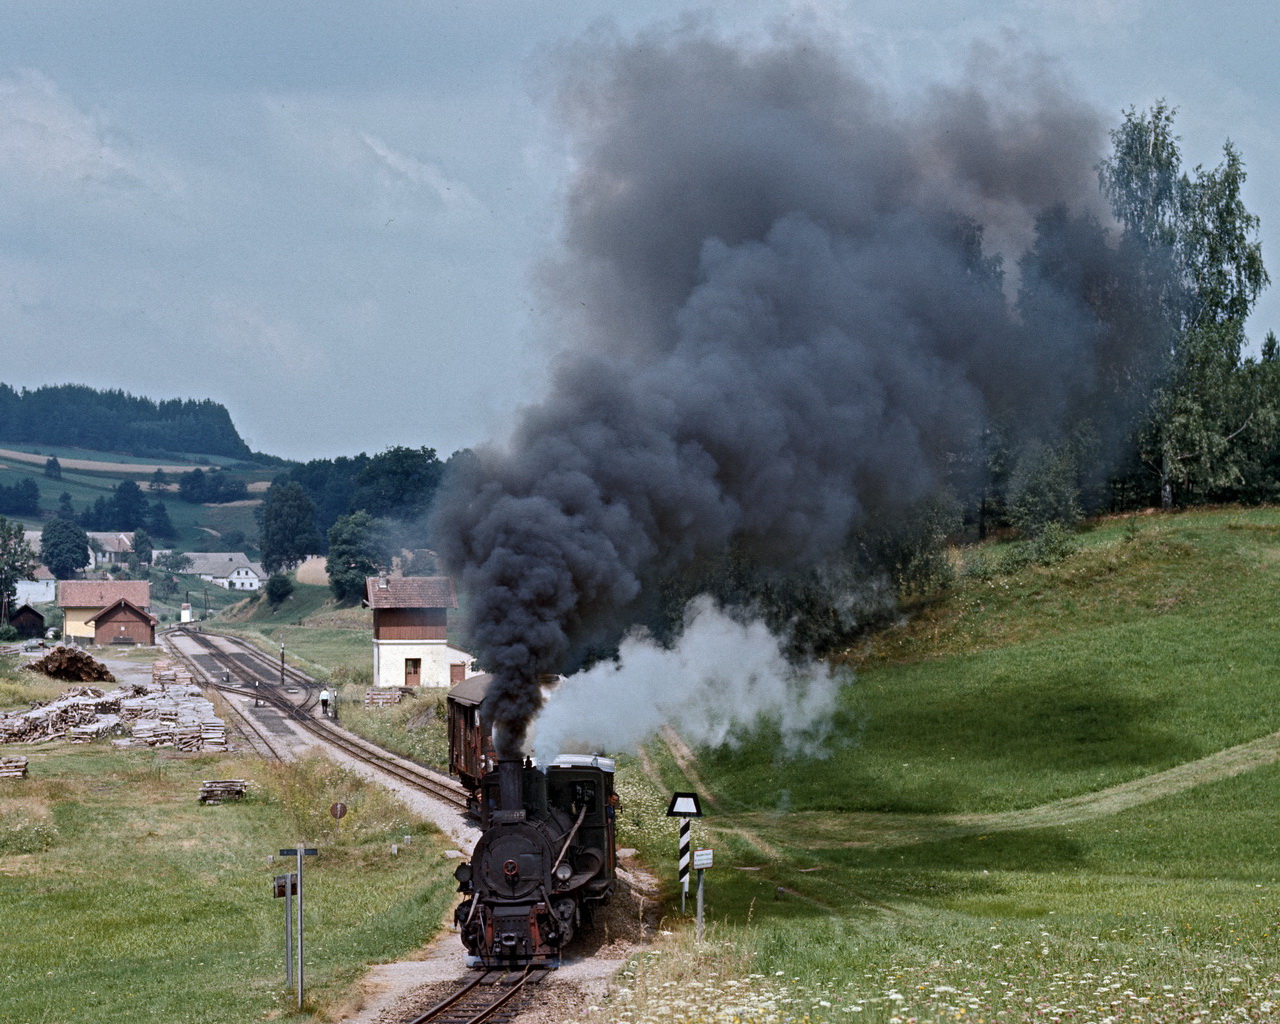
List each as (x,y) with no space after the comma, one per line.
(168,714)
(214,791)
(13,767)
(381,698)
(72,664)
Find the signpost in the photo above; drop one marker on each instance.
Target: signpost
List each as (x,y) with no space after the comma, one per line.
(299,853)
(701,861)
(684,806)
(286,888)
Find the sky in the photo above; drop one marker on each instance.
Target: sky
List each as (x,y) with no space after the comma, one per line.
(330,216)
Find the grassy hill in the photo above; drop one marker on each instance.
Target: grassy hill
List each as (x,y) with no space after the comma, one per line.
(196,524)
(967,849)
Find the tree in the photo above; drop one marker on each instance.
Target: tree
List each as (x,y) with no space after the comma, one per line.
(399,483)
(142,546)
(159,480)
(354,555)
(17,562)
(158,521)
(1204,269)
(278,588)
(66,510)
(173,561)
(130,506)
(53,468)
(64,548)
(288,528)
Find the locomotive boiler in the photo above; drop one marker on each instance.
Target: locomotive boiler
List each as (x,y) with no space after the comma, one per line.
(545,863)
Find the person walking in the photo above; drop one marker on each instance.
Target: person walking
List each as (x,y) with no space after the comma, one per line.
(324,702)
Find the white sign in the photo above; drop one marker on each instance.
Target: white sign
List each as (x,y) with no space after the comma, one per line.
(701,859)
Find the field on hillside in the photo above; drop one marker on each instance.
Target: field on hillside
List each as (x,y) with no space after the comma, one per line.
(127,901)
(197,525)
(922,870)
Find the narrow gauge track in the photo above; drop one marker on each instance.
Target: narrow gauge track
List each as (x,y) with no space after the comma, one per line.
(260,738)
(488,998)
(265,671)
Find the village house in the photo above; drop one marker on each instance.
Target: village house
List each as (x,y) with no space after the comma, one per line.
(410,642)
(110,548)
(106,611)
(41,590)
(230,570)
(27,621)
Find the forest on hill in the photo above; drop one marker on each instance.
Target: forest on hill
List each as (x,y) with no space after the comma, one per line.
(115,421)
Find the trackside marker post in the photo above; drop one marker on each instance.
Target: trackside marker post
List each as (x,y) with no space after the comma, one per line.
(684,806)
(299,853)
(701,861)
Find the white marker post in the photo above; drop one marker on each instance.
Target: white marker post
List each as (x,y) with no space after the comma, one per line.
(684,806)
(701,861)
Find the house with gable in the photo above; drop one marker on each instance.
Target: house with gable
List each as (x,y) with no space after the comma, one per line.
(230,570)
(107,611)
(410,632)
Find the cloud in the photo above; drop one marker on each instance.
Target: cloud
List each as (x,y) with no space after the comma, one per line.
(414,171)
(50,145)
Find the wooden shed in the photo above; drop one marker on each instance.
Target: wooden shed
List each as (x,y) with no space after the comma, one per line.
(123,622)
(27,621)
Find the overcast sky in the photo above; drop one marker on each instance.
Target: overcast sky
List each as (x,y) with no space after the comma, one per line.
(327,215)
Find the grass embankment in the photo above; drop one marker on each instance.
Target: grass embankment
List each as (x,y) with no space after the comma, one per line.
(125,900)
(864,883)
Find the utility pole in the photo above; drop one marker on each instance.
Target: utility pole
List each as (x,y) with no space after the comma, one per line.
(282,660)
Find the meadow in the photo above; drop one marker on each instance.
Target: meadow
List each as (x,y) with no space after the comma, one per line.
(126,900)
(909,876)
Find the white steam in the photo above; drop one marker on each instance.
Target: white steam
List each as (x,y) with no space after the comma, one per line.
(722,677)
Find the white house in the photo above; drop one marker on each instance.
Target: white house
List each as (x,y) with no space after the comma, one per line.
(410,645)
(41,590)
(230,570)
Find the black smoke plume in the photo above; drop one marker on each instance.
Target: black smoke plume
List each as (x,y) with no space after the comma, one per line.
(783,323)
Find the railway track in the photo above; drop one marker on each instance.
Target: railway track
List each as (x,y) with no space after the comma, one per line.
(264,674)
(491,997)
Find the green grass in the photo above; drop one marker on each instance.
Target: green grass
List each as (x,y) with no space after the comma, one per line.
(125,900)
(1138,653)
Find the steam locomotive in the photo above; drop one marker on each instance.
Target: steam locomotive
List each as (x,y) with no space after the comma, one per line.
(546,861)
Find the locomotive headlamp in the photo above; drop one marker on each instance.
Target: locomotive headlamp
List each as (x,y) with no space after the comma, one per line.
(462,872)
(563,871)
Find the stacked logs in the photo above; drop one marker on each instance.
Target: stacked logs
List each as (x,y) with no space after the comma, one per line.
(168,714)
(13,767)
(72,664)
(214,791)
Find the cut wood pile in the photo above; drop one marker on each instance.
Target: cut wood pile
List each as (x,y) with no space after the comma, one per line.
(214,791)
(381,698)
(161,714)
(74,665)
(13,767)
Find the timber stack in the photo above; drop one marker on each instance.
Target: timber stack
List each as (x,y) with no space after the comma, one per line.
(72,664)
(381,698)
(214,791)
(171,714)
(13,767)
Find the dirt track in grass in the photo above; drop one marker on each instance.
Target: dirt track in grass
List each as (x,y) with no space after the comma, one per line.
(825,830)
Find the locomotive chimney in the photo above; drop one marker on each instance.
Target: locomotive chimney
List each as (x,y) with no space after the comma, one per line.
(511,783)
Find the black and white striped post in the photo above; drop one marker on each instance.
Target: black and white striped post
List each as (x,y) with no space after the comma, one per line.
(684,806)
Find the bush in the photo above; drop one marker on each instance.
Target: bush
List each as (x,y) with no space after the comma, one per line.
(279,587)
(1054,543)
(8,633)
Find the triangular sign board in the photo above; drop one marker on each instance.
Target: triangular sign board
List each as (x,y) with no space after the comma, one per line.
(684,805)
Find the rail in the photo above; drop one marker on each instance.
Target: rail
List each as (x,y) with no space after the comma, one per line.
(249,660)
(476,1002)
